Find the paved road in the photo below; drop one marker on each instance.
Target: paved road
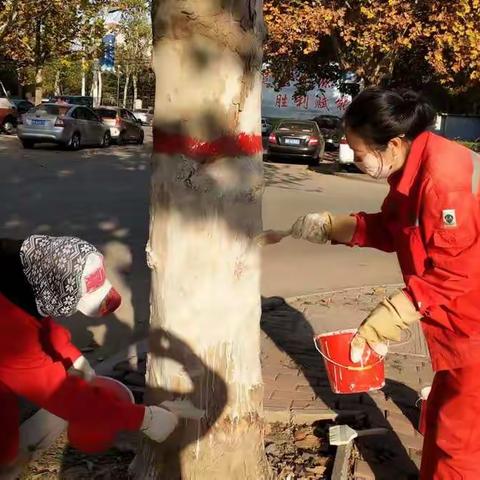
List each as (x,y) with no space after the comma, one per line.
(102,195)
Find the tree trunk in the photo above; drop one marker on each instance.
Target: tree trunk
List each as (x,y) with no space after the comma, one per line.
(84,78)
(38,86)
(207,183)
(135,91)
(99,87)
(119,75)
(38,62)
(125,90)
(56,87)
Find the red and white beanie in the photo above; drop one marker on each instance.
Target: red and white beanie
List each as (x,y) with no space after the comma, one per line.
(67,274)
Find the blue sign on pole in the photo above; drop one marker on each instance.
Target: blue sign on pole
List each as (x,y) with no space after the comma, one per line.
(107,63)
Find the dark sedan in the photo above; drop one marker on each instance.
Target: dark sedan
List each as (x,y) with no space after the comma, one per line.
(297,138)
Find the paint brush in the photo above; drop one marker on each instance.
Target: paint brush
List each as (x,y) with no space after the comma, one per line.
(270,237)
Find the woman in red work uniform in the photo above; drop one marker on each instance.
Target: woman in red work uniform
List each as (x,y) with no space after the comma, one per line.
(43,277)
(431,219)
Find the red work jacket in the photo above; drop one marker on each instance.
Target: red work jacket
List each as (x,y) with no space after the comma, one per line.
(431,219)
(29,342)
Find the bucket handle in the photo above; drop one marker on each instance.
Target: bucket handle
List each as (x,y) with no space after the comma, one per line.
(354,369)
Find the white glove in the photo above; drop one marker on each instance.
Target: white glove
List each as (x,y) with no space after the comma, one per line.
(184,409)
(82,368)
(314,227)
(158,423)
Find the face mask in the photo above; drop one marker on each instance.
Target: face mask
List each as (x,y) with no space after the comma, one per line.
(374,166)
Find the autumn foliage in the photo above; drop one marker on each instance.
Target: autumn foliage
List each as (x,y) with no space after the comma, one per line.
(407,42)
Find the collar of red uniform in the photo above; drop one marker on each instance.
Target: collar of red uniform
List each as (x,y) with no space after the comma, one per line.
(410,169)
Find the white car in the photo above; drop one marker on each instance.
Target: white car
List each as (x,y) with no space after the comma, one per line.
(345,153)
(145,115)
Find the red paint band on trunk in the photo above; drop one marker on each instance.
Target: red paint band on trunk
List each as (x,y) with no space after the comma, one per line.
(229,146)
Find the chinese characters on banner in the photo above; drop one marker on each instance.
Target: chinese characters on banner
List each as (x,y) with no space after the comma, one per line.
(281,101)
(325,99)
(321,103)
(342,103)
(301,101)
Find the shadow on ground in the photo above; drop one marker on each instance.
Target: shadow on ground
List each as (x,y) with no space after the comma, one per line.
(387,457)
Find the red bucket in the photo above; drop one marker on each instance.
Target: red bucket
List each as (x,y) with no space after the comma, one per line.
(422,422)
(344,375)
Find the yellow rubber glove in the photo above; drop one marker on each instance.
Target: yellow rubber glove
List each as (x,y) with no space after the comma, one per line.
(386,322)
(323,227)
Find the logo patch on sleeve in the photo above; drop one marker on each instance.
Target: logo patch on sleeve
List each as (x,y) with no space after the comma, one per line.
(449,218)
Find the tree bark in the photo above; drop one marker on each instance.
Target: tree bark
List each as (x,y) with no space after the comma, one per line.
(207,183)
(38,62)
(125,90)
(135,90)
(56,87)
(38,86)
(84,78)
(99,87)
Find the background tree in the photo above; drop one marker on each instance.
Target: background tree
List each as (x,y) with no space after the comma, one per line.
(8,15)
(135,45)
(207,182)
(394,42)
(42,31)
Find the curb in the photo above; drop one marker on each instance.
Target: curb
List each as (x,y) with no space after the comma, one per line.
(342,462)
(342,290)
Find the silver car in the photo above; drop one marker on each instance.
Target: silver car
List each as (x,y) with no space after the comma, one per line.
(72,126)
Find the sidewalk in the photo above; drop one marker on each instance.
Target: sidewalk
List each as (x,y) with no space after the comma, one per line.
(296,385)
(297,388)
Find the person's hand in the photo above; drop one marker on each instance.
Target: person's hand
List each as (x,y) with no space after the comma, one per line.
(82,368)
(385,323)
(158,423)
(323,227)
(314,227)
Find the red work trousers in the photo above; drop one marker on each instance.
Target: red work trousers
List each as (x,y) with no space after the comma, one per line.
(95,416)
(451,449)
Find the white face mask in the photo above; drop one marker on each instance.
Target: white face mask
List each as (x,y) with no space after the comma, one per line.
(374,165)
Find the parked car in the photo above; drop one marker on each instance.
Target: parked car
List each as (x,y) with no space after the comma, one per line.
(86,101)
(8,116)
(297,138)
(22,106)
(72,126)
(8,113)
(345,154)
(331,128)
(145,115)
(266,126)
(124,127)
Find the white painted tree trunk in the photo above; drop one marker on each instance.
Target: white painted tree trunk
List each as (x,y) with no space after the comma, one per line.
(135,90)
(84,78)
(125,90)
(38,86)
(99,88)
(57,83)
(205,298)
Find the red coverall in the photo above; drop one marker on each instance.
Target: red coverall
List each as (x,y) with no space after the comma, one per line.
(431,219)
(34,358)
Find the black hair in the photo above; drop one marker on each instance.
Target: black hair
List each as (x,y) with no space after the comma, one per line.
(378,115)
(13,283)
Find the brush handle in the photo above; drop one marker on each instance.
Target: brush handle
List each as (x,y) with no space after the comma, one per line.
(373,431)
(269,237)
